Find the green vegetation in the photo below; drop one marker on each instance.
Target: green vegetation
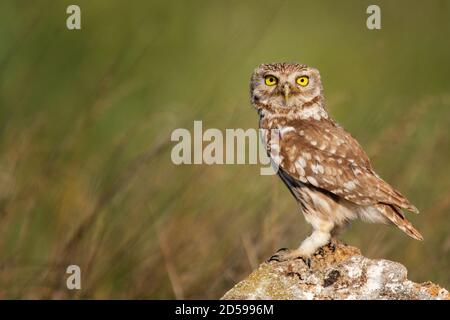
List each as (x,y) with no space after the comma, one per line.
(86,117)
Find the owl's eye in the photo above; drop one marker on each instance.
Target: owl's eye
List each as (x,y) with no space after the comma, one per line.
(270,80)
(303,81)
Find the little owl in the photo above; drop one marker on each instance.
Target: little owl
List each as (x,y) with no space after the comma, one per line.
(324,167)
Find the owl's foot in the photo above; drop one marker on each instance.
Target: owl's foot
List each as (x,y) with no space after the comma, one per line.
(321,251)
(285,254)
(332,245)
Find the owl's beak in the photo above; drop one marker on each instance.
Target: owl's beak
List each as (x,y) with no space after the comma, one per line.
(286,91)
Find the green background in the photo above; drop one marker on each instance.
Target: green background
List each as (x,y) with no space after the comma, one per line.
(86,116)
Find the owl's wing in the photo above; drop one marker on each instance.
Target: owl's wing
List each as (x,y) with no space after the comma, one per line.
(329,158)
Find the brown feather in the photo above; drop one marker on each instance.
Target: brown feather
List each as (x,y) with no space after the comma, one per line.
(394,215)
(334,159)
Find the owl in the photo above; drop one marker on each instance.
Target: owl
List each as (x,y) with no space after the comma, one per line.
(322,165)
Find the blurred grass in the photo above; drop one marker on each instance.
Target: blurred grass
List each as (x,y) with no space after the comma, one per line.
(86,117)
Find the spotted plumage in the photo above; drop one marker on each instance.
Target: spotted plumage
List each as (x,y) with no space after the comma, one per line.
(324,167)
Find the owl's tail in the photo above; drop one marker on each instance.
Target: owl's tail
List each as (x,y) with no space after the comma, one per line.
(395,216)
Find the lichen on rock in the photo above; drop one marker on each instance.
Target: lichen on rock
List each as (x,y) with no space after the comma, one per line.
(342,273)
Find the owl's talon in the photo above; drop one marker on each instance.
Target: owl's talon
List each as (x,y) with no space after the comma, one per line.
(284,254)
(332,246)
(274,258)
(306,261)
(319,252)
(281,254)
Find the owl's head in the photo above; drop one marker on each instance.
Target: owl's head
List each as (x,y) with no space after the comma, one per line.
(285,85)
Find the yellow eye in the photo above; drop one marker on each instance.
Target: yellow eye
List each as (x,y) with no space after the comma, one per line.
(270,80)
(303,81)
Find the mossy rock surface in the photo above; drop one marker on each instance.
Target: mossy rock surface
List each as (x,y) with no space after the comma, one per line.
(342,273)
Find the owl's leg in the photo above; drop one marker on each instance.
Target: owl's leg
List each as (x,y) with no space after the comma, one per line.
(318,238)
(311,244)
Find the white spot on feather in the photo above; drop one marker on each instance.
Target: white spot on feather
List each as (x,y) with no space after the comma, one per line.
(350,185)
(316,112)
(285,130)
(312,180)
(299,167)
(307,155)
(317,168)
(302,162)
(320,202)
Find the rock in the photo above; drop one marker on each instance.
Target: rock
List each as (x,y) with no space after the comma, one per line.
(340,274)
